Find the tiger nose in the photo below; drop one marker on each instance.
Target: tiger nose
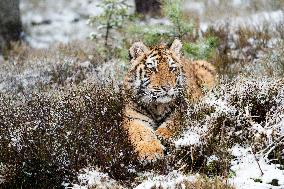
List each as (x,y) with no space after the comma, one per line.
(166,88)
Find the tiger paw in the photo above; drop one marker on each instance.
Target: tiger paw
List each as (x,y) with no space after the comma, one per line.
(164,133)
(150,151)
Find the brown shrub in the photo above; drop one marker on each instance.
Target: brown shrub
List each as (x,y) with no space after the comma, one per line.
(230,116)
(47,138)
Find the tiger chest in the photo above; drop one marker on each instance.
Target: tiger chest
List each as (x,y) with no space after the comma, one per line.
(160,112)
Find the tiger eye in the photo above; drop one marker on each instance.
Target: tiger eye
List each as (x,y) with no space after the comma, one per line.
(153,69)
(173,69)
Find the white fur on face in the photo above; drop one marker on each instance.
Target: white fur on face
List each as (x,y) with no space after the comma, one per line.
(160,96)
(164,100)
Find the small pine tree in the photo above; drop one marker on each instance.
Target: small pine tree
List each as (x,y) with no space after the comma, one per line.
(155,33)
(204,49)
(173,11)
(114,15)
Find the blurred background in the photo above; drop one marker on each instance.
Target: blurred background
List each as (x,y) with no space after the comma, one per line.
(47,22)
(237,31)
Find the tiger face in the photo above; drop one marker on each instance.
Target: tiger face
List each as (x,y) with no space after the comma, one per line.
(157,73)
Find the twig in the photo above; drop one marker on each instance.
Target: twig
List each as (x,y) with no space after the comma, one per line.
(278,140)
(254,154)
(271,147)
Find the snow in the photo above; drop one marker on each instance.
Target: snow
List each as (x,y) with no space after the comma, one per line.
(256,20)
(94,178)
(59,21)
(258,128)
(211,159)
(188,138)
(197,7)
(247,171)
(65,21)
(91,177)
(164,181)
(220,105)
(55,21)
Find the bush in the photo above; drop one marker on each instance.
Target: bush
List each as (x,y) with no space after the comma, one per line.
(244,111)
(47,138)
(271,64)
(40,70)
(179,27)
(114,16)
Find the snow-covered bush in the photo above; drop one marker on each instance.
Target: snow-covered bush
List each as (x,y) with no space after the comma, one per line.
(45,138)
(94,179)
(272,62)
(29,70)
(244,111)
(52,131)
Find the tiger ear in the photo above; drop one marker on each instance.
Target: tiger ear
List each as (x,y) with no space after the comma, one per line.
(176,47)
(137,49)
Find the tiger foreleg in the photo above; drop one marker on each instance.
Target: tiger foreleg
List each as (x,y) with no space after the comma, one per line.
(169,127)
(143,137)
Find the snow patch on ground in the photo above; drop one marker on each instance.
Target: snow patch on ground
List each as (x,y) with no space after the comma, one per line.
(248,172)
(49,22)
(256,20)
(94,178)
(56,21)
(171,180)
(197,7)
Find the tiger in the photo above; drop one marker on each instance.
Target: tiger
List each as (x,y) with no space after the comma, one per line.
(156,82)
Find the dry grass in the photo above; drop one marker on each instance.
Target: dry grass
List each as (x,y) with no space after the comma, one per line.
(27,70)
(81,50)
(68,120)
(51,133)
(242,49)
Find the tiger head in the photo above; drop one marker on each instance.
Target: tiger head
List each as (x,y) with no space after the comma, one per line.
(156,73)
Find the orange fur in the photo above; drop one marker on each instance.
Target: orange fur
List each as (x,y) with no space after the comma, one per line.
(152,89)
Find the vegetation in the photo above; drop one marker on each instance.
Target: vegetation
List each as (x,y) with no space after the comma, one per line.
(115,14)
(112,20)
(48,137)
(61,108)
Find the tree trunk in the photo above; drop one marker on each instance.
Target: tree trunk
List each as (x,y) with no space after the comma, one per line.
(149,7)
(10,23)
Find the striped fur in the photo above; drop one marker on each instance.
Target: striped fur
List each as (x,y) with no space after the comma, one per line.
(153,88)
